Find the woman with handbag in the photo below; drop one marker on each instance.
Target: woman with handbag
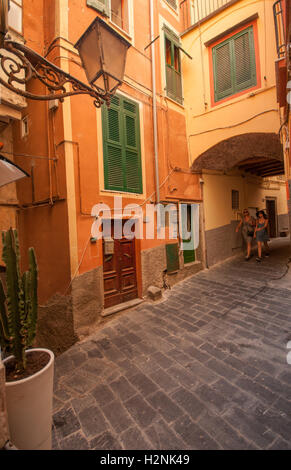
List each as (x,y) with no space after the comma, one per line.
(248,224)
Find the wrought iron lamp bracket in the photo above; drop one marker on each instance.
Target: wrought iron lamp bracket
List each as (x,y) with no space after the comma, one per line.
(20,64)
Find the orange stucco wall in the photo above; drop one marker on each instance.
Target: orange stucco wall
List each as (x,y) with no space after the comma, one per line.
(44,227)
(52,228)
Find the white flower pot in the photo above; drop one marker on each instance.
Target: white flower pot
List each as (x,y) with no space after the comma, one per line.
(30,406)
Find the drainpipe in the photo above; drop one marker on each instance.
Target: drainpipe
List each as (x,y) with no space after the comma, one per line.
(155,123)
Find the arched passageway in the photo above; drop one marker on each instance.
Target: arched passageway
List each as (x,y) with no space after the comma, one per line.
(258,153)
(254,156)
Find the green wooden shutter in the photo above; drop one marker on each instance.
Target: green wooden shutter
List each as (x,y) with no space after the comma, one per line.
(121,146)
(100,5)
(171,35)
(172,254)
(245,62)
(173,74)
(112,145)
(187,245)
(222,66)
(132,147)
(234,64)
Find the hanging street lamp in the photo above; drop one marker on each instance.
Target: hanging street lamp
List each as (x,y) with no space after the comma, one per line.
(9,172)
(102,51)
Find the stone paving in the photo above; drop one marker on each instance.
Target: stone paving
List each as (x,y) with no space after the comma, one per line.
(204,369)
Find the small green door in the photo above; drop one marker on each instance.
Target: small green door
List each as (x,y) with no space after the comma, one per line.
(188,241)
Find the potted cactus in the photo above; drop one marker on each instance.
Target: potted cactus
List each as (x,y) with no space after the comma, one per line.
(29,371)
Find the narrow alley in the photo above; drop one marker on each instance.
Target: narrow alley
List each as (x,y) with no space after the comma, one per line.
(204,369)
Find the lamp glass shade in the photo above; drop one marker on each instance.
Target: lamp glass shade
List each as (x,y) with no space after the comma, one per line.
(9,172)
(103,53)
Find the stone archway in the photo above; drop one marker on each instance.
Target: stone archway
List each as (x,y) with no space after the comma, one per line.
(258,153)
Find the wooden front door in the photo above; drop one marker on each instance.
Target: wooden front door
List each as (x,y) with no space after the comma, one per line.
(271,211)
(120,280)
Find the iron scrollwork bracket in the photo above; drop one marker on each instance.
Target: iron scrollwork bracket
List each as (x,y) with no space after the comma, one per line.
(21,64)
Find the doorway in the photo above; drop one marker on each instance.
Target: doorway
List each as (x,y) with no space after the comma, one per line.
(188,243)
(119,270)
(272,216)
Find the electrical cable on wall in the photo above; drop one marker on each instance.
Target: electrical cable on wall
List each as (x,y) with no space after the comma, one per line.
(235,125)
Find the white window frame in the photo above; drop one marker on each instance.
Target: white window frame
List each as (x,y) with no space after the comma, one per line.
(192,12)
(163,22)
(130,18)
(19,4)
(105,9)
(24,127)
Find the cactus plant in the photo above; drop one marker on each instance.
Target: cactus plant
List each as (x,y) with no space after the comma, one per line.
(18,307)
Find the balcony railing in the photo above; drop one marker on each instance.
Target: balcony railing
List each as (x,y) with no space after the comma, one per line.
(204,8)
(279,28)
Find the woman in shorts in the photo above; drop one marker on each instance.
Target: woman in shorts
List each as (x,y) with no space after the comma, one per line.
(261,234)
(247,224)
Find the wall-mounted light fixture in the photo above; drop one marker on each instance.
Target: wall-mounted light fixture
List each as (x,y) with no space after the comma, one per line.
(103,53)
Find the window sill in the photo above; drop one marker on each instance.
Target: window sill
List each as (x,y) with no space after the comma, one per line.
(122,193)
(235,100)
(16,35)
(243,95)
(174,101)
(193,263)
(251,91)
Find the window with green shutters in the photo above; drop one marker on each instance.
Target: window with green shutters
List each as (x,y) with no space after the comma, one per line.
(100,5)
(173,66)
(121,146)
(234,64)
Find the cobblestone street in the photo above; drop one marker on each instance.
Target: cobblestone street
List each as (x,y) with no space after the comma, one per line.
(204,369)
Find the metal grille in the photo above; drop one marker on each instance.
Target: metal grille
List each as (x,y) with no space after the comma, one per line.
(203,8)
(279,29)
(235,199)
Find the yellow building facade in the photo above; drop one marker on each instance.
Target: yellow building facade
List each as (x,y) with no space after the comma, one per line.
(233,118)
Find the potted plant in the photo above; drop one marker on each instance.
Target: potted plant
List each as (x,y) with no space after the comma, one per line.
(29,372)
